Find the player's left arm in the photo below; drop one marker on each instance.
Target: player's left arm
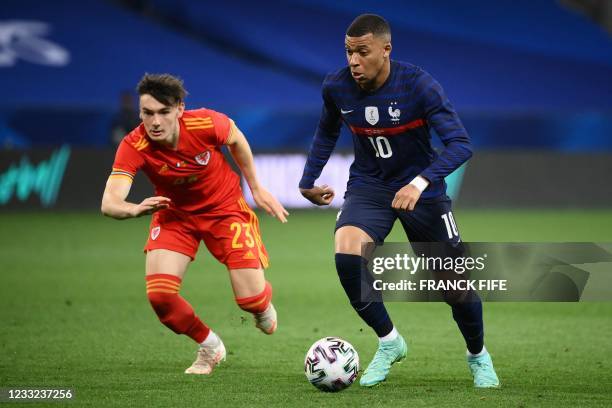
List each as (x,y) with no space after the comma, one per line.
(441,116)
(241,152)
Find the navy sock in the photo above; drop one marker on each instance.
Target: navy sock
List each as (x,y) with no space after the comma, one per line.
(373,313)
(468,316)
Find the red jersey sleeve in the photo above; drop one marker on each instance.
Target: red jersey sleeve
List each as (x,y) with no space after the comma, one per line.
(222,127)
(209,125)
(127,161)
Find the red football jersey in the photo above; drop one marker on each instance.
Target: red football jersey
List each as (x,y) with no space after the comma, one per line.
(195,176)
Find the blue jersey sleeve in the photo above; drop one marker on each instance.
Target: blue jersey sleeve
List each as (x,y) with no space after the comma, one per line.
(324,140)
(441,115)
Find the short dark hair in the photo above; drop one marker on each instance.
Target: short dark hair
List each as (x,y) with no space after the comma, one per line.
(166,88)
(369,23)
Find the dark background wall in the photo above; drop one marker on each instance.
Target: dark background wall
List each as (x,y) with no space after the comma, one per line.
(490,180)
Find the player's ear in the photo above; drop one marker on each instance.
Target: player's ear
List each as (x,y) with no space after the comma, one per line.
(181,109)
(387,49)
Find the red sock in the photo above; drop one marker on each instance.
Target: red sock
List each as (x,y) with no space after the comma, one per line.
(174,311)
(257,303)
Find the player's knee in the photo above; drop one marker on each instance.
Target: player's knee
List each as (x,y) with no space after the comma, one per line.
(349,248)
(258,303)
(349,239)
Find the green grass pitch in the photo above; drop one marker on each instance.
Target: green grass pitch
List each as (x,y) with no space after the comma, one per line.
(73,312)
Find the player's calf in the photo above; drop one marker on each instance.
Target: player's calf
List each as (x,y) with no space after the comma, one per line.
(468,316)
(172,309)
(374,314)
(262,309)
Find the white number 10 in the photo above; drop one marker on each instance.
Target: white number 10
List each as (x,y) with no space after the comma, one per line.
(451,227)
(382,147)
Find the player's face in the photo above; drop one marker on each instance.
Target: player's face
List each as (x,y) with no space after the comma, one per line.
(160,121)
(367,57)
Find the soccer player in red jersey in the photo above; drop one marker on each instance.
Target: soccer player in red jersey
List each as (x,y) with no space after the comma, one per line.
(197,197)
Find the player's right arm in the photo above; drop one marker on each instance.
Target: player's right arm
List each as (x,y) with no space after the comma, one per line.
(114,202)
(322,146)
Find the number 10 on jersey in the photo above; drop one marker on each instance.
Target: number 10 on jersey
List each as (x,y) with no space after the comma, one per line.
(381,145)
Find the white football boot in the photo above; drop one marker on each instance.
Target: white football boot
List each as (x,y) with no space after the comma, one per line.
(208,356)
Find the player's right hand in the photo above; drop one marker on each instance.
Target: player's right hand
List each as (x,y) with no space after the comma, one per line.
(269,204)
(151,205)
(319,195)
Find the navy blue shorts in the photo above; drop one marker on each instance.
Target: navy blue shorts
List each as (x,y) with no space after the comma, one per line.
(370,210)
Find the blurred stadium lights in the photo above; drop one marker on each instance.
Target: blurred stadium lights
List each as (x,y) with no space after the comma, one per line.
(531,86)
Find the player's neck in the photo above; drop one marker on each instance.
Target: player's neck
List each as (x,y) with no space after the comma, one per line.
(173,142)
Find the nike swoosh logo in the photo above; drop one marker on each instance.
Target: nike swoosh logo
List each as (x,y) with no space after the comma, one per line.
(344,112)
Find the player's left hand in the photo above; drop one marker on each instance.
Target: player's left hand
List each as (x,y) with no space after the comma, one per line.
(270,204)
(406,198)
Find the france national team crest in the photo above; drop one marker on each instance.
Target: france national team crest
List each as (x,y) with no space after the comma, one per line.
(371,114)
(203,158)
(394,113)
(155,233)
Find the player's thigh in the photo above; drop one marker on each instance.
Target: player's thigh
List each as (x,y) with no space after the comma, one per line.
(433,233)
(234,238)
(363,218)
(167,262)
(431,221)
(172,231)
(247,282)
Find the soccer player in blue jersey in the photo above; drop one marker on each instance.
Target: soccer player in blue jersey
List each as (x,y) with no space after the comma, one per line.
(390,106)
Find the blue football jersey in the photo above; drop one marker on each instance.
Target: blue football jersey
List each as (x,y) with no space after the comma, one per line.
(391,130)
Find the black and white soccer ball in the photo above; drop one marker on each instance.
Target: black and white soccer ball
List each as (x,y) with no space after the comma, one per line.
(331,364)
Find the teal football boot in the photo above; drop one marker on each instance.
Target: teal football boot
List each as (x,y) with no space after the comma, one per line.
(388,353)
(483,371)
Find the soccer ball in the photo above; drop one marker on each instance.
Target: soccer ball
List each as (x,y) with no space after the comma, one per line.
(331,364)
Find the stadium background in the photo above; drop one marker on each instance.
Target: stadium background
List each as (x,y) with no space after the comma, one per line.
(530,80)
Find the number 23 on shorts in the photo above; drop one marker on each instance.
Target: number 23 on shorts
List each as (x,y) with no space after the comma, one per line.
(242,232)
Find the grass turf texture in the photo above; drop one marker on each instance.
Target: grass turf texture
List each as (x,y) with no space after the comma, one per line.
(73,312)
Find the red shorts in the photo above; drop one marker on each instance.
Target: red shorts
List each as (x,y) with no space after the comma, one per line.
(232,236)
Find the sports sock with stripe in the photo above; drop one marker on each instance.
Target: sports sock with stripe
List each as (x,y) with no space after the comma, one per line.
(258,303)
(172,309)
